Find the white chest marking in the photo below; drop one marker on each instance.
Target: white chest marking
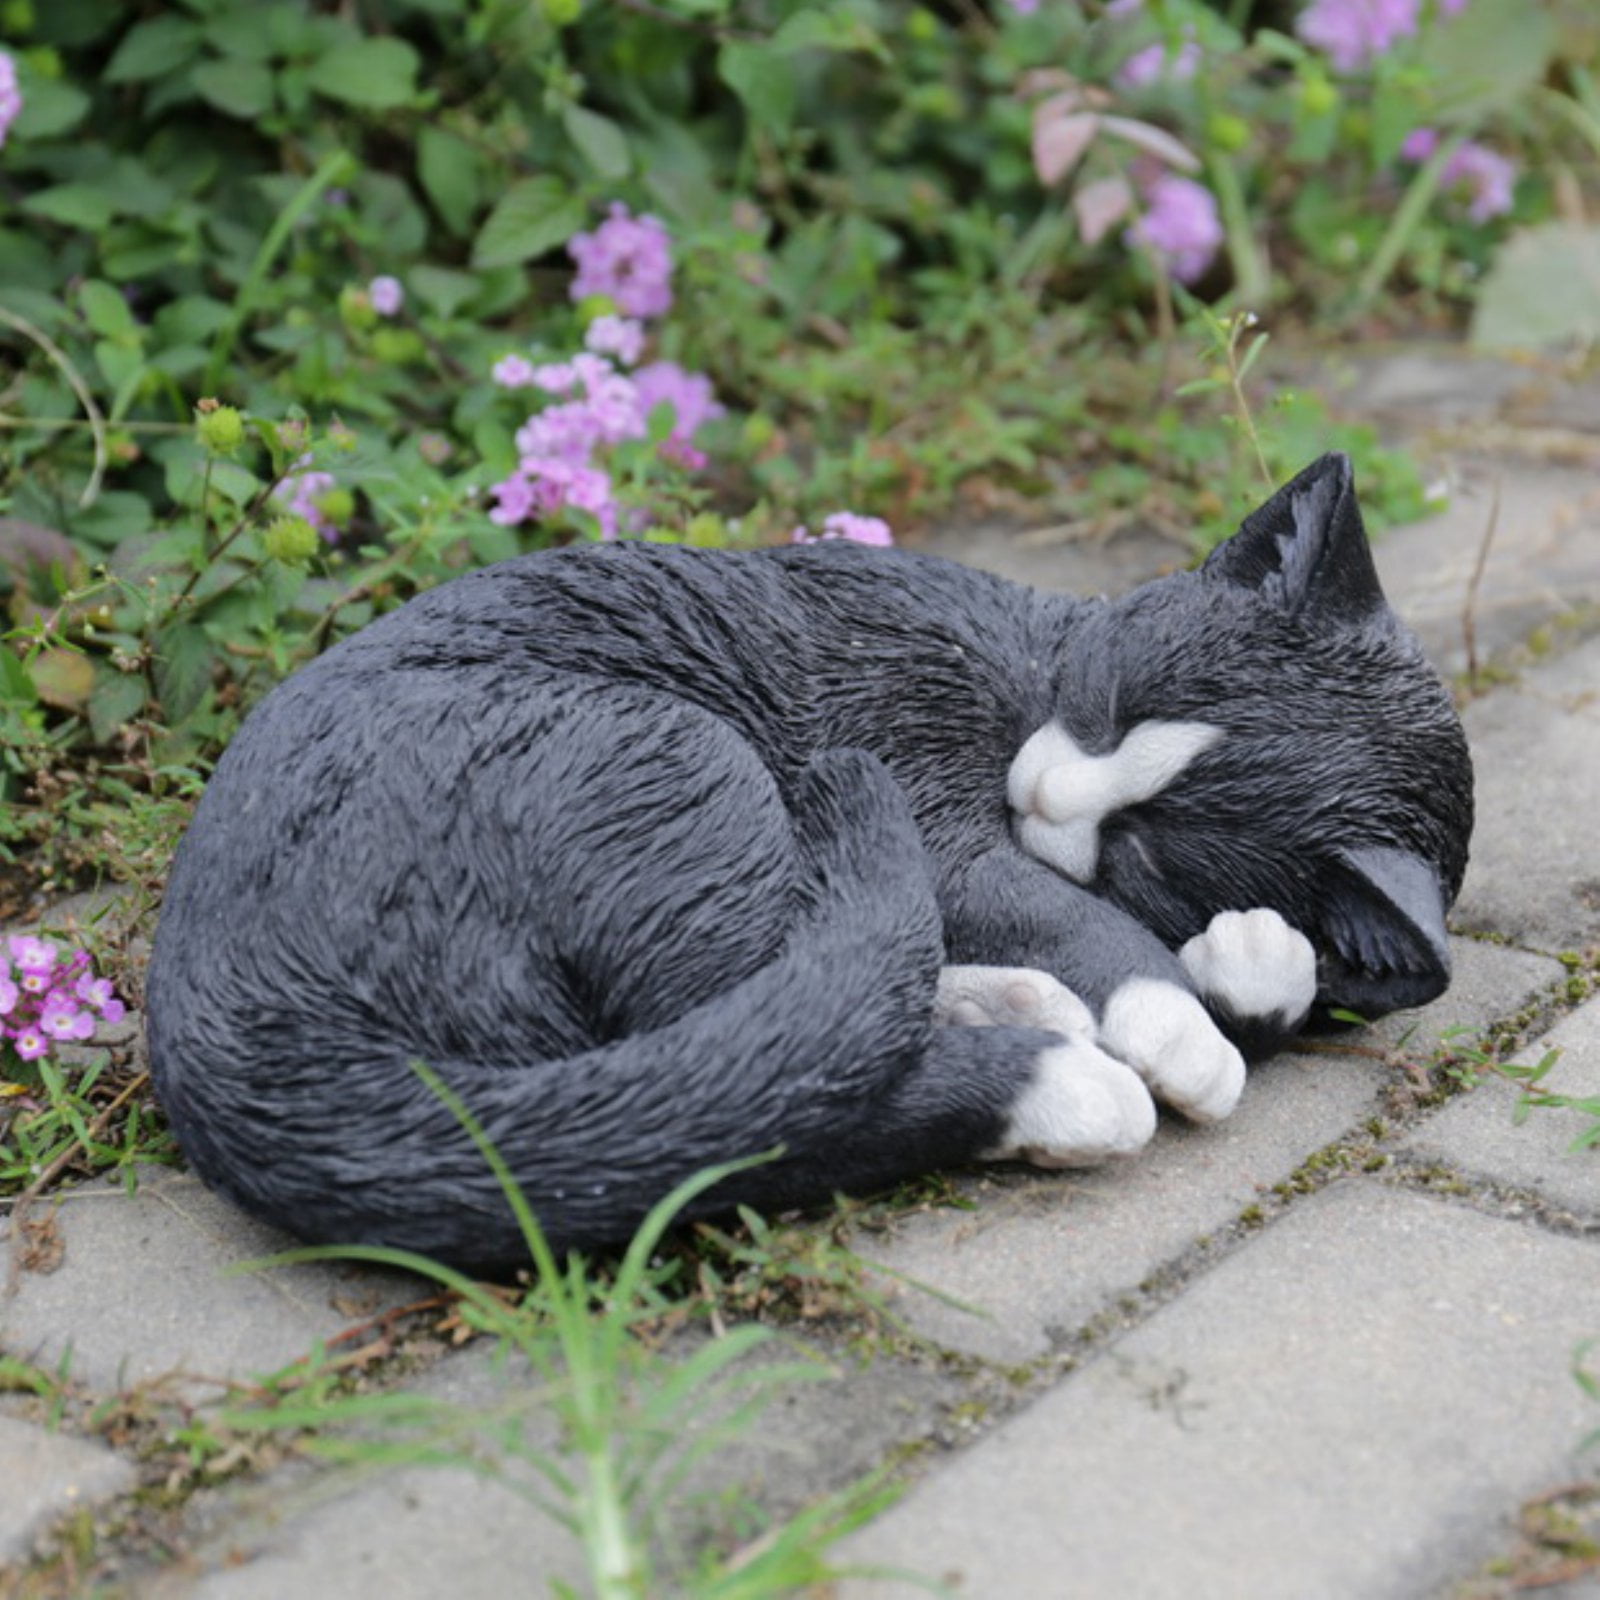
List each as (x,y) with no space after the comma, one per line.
(1060,794)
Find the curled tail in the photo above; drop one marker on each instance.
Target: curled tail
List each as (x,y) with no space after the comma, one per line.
(826,1049)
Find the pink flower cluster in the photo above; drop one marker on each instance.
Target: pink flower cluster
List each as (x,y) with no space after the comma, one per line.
(47,998)
(301,495)
(628,259)
(847,525)
(1180,224)
(1157,64)
(1354,32)
(10,95)
(1489,177)
(598,405)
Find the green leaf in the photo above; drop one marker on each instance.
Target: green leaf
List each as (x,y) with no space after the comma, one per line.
(763,79)
(442,290)
(152,49)
(48,108)
(242,89)
(118,364)
(449,171)
(599,140)
(184,660)
(191,319)
(16,684)
(378,74)
(106,311)
(63,677)
(115,698)
(251,32)
(1489,56)
(533,216)
(1543,289)
(116,515)
(77,205)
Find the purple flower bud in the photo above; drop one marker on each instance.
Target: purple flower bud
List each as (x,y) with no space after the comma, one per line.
(385,295)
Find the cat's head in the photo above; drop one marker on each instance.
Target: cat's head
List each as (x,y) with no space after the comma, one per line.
(1265,732)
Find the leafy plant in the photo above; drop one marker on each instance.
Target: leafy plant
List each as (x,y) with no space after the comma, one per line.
(634,1423)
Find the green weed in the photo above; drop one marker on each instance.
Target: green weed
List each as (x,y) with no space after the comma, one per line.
(634,1423)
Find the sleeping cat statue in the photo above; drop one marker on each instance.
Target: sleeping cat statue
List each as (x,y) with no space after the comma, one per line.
(660,857)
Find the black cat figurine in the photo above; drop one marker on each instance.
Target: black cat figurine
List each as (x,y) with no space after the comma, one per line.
(660,857)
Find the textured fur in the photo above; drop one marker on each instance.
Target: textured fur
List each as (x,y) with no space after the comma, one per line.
(656,856)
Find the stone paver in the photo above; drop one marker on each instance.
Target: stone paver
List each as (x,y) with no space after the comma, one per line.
(426,1532)
(1543,565)
(47,1476)
(1036,1261)
(1348,1406)
(1535,869)
(143,1290)
(1477,1133)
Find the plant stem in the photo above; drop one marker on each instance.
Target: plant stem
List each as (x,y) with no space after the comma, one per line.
(1252,281)
(97,422)
(337,165)
(1416,200)
(1239,323)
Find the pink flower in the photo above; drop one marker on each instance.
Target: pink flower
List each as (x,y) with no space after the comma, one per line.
(301,495)
(516,501)
(61,1019)
(628,259)
(98,994)
(542,487)
(386,295)
(1180,225)
(689,394)
(10,95)
(621,337)
(9,995)
(1353,32)
(32,955)
(30,1043)
(1419,144)
(1154,64)
(556,377)
(513,372)
(1489,177)
(847,525)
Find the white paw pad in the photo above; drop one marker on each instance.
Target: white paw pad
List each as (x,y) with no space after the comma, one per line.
(1014,997)
(1082,1108)
(1167,1037)
(1254,964)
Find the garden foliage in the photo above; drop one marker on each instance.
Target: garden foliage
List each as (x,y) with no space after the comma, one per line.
(303,306)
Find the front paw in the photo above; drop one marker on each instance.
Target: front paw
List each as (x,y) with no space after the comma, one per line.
(1166,1035)
(1080,1109)
(1252,966)
(1016,997)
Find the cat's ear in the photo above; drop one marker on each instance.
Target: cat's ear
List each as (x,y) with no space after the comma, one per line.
(1306,549)
(1384,915)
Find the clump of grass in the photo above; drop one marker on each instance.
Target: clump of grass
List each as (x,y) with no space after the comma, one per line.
(635,1421)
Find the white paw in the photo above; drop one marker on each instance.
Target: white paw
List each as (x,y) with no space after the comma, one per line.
(1254,964)
(1167,1037)
(1081,1108)
(1060,794)
(1015,997)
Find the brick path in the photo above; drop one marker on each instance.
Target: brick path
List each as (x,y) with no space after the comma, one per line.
(1324,1349)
